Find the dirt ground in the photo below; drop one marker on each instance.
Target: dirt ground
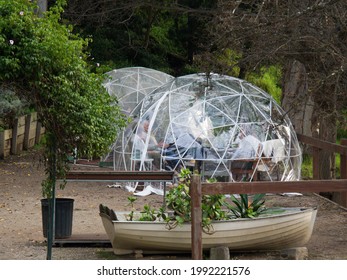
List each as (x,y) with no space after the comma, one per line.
(21,235)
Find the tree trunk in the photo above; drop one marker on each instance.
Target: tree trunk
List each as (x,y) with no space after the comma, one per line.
(306,115)
(295,98)
(324,128)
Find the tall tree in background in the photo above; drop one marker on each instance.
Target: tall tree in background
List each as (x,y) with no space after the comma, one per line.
(164,35)
(312,34)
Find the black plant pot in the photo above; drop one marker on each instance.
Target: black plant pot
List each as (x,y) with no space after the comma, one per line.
(63,217)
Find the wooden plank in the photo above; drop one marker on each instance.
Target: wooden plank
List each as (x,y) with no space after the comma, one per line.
(274,187)
(91,239)
(343,162)
(18,135)
(21,130)
(7,142)
(32,131)
(14,137)
(149,176)
(27,132)
(315,163)
(342,196)
(31,136)
(2,144)
(196,217)
(21,121)
(38,133)
(324,145)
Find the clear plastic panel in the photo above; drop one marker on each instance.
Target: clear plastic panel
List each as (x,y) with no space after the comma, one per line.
(130,85)
(222,126)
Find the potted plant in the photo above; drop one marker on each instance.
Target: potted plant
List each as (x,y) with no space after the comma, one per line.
(47,64)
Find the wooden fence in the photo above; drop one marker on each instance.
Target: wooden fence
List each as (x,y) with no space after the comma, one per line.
(317,147)
(26,132)
(339,187)
(198,189)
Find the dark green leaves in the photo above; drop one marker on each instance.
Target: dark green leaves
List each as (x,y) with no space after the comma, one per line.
(42,57)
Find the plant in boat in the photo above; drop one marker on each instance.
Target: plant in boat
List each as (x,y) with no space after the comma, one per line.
(150,214)
(147,214)
(131,200)
(245,208)
(214,207)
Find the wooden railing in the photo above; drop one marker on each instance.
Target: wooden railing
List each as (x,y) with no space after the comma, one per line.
(198,189)
(319,145)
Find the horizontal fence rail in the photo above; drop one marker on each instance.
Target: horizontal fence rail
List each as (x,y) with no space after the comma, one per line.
(275,187)
(198,189)
(129,176)
(318,146)
(323,145)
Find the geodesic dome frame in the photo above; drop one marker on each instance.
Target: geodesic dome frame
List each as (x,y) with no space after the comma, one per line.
(131,84)
(219,124)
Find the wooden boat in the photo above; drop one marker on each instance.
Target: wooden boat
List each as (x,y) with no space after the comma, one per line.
(291,228)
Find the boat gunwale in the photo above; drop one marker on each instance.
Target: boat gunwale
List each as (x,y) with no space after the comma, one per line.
(289,211)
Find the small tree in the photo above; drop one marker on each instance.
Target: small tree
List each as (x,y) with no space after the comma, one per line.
(42,57)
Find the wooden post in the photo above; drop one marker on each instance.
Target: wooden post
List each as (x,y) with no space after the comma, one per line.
(2,144)
(14,137)
(343,172)
(343,161)
(30,130)
(315,163)
(38,133)
(26,144)
(196,217)
(5,143)
(18,135)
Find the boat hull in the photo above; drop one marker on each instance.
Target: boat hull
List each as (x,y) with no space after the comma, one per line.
(291,229)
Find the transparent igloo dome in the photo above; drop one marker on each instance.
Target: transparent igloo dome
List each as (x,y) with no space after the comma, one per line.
(223,127)
(131,84)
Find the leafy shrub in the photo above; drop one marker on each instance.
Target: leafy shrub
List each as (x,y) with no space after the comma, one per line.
(42,57)
(10,107)
(269,79)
